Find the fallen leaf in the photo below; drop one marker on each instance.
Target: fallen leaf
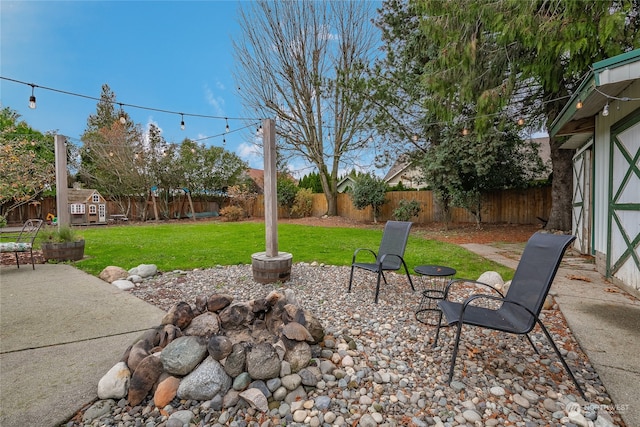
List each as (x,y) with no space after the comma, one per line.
(582,278)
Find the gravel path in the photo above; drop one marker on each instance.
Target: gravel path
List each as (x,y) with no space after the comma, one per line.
(389,374)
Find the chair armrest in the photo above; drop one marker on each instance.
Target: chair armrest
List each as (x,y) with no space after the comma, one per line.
(355,254)
(458,281)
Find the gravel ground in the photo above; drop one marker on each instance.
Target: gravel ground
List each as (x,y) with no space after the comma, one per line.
(390,375)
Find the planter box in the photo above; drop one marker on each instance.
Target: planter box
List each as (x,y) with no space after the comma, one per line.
(66,251)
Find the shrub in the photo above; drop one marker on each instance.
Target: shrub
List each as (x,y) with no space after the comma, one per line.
(232,213)
(303,204)
(286,191)
(406,210)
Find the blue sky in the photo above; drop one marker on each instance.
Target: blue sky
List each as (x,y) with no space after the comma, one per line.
(166,55)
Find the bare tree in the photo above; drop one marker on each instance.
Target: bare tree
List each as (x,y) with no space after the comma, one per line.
(305,63)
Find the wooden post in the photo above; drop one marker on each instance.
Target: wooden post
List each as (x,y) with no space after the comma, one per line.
(193,212)
(270,187)
(62,192)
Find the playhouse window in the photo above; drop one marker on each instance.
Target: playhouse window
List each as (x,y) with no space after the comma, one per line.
(77,208)
(93,210)
(96,198)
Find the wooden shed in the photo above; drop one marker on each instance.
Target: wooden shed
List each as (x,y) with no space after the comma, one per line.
(602,121)
(87,206)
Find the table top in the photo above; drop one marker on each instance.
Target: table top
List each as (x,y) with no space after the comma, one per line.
(434,270)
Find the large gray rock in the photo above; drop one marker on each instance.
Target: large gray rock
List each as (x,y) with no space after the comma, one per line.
(492,278)
(205,382)
(144,270)
(123,284)
(298,356)
(204,325)
(263,362)
(219,347)
(183,354)
(236,360)
(237,315)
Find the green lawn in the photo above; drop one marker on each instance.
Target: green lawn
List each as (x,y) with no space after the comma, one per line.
(186,246)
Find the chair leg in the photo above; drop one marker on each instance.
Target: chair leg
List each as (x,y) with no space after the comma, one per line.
(564,363)
(532,344)
(406,270)
(435,340)
(33,264)
(380,273)
(351,278)
(455,352)
(17,259)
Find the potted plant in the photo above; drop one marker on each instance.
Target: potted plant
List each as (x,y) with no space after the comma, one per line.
(61,244)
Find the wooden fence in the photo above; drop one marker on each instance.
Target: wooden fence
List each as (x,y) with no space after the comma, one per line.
(508,206)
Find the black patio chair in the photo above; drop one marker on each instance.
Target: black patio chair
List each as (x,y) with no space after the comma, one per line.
(516,312)
(390,254)
(24,240)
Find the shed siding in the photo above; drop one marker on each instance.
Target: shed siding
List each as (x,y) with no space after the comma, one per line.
(602,152)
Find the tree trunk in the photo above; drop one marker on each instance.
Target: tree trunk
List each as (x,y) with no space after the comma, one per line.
(332,204)
(561,188)
(330,192)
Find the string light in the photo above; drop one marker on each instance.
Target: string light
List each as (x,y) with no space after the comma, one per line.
(521,121)
(32,98)
(226,129)
(605,110)
(465,131)
(579,104)
(182,121)
(123,119)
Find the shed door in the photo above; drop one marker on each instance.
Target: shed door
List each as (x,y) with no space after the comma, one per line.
(623,257)
(102,213)
(582,200)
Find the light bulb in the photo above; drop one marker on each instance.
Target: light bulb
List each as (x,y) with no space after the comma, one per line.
(226,129)
(32,99)
(520,121)
(605,110)
(579,104)
(465,131)
(182,121)
(123,119)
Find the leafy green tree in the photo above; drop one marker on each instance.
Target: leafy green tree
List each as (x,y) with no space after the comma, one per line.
(312,182)
(509,59)
(464,168)
(369,190)
(111,153)
(26,161)
(306,63)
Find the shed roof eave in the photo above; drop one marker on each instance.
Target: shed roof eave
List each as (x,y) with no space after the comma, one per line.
(608,78)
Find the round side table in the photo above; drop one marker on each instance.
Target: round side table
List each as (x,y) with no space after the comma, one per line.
(436,278)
